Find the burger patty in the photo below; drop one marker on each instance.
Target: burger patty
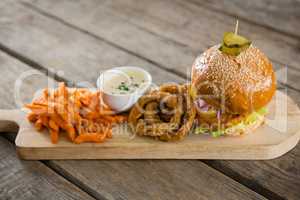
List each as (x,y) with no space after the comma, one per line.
(225,120)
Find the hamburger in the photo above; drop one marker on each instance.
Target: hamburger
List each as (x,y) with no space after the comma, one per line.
(231,84)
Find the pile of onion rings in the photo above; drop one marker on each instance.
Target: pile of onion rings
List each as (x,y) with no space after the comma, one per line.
(167,113)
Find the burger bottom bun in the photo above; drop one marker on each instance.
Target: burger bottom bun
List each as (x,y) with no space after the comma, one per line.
(248,129)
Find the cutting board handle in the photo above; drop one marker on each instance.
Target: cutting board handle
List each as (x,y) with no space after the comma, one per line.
(10,119)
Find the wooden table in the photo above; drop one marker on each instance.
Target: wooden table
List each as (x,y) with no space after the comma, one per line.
(73,41)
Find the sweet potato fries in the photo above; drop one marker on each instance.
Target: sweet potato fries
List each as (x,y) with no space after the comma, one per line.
(78,112)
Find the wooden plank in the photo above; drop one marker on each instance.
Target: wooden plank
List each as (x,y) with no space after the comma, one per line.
(178,38)
(174,56)
(267,142)
(31,179)
(26,179)
(128,35)
(279,176)
(276,14)
(86,56)
(123,179)
(155,179)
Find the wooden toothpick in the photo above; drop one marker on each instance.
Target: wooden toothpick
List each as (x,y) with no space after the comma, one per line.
(236,27)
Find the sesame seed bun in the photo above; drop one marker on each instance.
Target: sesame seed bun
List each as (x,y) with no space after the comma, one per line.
(241,84)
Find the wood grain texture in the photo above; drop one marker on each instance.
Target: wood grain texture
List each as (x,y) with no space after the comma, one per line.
(86,56)
(31,179)
(35,29)
(169,50)
(26,179)
(279,176)
(278,15)
(154,179)
(143,28)
(104,187)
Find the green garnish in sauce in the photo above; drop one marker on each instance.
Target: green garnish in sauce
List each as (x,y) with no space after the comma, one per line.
(126,87)
(123,87)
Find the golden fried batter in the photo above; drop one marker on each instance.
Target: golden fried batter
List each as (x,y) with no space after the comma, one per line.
(167,113)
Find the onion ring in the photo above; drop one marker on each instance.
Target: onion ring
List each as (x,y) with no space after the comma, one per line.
(166,114)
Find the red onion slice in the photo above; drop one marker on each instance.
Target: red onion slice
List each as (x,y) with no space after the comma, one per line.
(219,115)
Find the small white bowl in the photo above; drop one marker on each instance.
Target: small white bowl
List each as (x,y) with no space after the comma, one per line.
(123,102)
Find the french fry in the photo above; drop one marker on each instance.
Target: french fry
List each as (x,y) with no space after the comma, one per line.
(46,94)
(54,136)
(79,112)
(93,115)
(62,91)
(37,109)
(32,117)
(62,101)
(38,125)
(115,119)
(90,137)
(64,125)
(45,120)
(120,118)
(53,125)
(71,133)
(109,133)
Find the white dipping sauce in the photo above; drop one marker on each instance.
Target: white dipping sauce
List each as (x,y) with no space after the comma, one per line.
(123,86)
(123,82)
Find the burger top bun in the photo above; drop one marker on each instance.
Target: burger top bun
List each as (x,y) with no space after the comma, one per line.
(239,84)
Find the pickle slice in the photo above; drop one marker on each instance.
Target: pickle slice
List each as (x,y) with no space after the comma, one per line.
(234,51)
(234,44)
(233,40)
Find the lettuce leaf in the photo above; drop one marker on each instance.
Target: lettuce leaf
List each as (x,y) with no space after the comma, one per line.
(217,133)
(250,119)
(262,111)
(201,130)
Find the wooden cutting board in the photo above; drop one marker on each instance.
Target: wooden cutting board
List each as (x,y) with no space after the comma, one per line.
(278,135)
